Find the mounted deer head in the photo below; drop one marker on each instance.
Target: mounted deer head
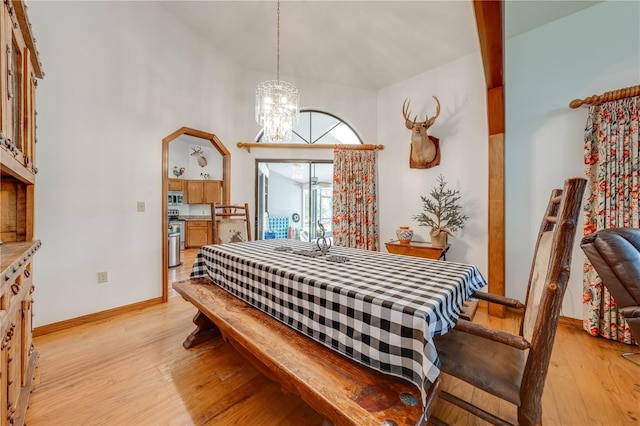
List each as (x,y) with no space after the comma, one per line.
(425,149)
(197,152)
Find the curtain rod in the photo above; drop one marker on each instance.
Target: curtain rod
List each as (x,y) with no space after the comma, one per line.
(613,95)
(248,146)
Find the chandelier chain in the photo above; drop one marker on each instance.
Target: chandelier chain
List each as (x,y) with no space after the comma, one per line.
(278,46)
(277,102)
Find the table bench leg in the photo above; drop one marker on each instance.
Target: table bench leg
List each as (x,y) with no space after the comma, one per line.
(205,330)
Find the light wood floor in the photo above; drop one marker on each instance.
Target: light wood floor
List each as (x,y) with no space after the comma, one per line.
(132,370)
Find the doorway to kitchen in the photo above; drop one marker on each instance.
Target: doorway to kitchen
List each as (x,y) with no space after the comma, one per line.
(184,180)
(293,197)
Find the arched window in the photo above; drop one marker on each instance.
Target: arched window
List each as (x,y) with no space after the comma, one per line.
(319,127)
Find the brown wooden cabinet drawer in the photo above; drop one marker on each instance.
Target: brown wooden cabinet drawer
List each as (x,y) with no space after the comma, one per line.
(197,224)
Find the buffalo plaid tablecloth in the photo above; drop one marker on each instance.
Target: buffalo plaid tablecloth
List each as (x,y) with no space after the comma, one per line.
(379,309)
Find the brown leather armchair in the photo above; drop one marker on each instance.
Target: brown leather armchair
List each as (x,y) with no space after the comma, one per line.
(615,255)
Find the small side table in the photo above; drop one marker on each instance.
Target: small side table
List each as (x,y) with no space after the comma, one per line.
(418,249)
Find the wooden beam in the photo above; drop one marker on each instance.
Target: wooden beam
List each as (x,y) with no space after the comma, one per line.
(489,22)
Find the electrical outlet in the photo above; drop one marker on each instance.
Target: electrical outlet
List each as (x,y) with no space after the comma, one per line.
(103,277)
(141,206)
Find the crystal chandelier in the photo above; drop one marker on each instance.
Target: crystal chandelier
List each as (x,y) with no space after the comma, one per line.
(277,104)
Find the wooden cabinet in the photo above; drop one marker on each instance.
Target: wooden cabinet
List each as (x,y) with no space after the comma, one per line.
(418,249)
(198,233)
(175,185)
(20,70)
(212,191)
(18,358)
(204,191)
(195,192)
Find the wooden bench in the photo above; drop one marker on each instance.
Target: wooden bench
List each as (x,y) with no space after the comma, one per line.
(344,391)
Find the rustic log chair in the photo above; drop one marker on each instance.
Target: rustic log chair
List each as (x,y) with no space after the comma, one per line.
(231,224)
(509,366)
(615,255)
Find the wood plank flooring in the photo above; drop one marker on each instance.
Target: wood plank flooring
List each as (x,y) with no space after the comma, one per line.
(132,370)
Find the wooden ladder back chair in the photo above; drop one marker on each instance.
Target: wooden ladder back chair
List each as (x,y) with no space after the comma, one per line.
(509,366)
(231,223)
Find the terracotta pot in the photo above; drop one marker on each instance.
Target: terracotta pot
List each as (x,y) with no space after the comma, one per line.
(404,234)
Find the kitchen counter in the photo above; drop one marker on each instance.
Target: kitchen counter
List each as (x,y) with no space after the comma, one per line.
(195,217)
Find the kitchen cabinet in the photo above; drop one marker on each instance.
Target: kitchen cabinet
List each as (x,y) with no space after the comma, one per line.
(175,185)
(212,191)
(204,191)
(20,70)
(198,233)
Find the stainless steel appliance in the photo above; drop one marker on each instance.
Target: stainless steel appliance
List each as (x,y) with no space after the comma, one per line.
(174,249)
(176,225)
(175,198)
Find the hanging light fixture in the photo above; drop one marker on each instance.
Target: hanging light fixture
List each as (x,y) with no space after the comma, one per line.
(277,104)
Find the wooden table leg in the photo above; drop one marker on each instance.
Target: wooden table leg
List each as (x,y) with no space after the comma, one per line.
(205,330)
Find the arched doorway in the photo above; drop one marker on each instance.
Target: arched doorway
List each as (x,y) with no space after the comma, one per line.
(197,135)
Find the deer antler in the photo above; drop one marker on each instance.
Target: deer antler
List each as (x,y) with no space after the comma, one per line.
(406,113)
(429,121)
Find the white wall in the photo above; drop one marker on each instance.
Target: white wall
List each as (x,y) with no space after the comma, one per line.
(180,157)
(110,94)
(593,51)
(462,130)
(120,76)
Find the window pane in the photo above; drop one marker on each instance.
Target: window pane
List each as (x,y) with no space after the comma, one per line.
(322,124)
(322,128)
(343,134)
(322,191)
(280,196)
(303,129)
(286,188)
(297,139)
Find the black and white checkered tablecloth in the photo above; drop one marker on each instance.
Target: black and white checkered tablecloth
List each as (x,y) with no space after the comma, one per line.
(379,309)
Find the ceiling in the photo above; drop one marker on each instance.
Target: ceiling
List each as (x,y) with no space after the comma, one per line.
(367,44)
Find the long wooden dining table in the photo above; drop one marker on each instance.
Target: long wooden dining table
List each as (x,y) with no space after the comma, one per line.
(381,310)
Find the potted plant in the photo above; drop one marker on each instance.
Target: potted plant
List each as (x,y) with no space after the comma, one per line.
(441,213)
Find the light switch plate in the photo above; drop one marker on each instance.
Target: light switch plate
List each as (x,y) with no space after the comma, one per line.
(141,206)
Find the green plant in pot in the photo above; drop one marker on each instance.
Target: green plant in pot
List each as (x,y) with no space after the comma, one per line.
(441,213)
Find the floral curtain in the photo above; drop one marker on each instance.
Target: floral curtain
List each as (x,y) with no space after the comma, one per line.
(611,156)
(355,205)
